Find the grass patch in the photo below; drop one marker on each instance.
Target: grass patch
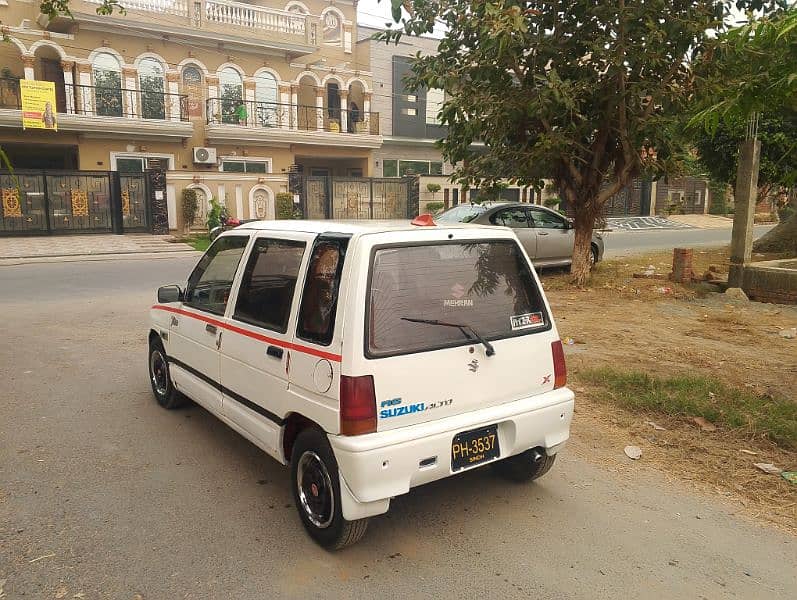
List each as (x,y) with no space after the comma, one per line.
(697,396)
(198,242)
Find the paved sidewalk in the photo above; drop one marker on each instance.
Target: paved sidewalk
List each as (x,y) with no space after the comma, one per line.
(704,221)
(40,247)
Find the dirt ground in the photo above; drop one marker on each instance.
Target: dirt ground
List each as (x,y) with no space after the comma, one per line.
(666,329)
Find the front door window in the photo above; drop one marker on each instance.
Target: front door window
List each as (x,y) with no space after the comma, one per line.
(210,284)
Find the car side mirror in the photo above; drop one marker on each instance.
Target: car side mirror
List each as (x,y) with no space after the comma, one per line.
(170,293)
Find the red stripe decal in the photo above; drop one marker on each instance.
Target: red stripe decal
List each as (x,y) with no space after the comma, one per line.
(251,334)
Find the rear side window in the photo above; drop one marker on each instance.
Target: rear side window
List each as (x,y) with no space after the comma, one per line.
(269,280)
(320,297)
(210,283)
(486,286)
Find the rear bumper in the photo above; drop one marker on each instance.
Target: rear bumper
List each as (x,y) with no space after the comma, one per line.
(378,466)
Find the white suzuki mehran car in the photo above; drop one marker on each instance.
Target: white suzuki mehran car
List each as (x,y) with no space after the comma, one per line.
(371,357)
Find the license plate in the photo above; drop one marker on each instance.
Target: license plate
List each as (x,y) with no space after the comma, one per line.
(471,448)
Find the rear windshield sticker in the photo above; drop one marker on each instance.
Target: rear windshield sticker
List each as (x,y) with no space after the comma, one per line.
(462,302)
(526,321)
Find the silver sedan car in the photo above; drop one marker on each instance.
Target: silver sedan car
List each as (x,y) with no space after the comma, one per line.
(547,236)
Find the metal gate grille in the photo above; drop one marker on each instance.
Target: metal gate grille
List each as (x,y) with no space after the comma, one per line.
(53,202)
(357,197)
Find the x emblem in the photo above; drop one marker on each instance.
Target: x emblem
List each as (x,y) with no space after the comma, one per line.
(546,379)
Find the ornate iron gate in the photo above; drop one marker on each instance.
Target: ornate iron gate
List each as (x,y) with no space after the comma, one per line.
(135,203)
(54,202)
(356,197)
(79,202)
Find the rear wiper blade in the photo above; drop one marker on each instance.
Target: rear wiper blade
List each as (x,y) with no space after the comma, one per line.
(467,330)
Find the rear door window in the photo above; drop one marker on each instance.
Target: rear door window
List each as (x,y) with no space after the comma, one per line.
(321,287)
(269,281)
(544,220)
(483,285)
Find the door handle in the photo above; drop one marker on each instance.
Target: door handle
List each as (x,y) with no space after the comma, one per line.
(274,351)
(542,233)
(211,329)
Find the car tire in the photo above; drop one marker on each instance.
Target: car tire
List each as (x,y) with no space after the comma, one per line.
(594,256)
(527,466)
(316,492)
(160,378)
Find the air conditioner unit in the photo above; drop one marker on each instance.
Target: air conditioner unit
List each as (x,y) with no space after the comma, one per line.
(205,156)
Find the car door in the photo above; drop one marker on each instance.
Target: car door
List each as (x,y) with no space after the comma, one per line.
(195,327)
(255,350)
(555,238)
(517,218)
(314,380)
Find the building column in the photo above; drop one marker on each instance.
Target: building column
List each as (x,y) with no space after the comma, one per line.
(367,112)
(319,108)
(28,62)
(294,106)
(174,109)
(214,105)
(344,110)
(285,106)
(130,99)
(250,101)
(85,96)
(69,85)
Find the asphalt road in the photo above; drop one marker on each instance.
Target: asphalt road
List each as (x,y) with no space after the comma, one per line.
(623,243)
(104,494)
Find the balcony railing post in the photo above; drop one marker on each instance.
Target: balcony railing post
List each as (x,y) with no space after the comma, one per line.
(249,101)
(197,13)
(173,104)
(130,100)
(69,86)
(367,111)
(319,108)
(85,96)
(344,105)
(294,106)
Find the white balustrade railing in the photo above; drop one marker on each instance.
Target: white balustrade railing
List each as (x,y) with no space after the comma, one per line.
(165,7)
(224,12)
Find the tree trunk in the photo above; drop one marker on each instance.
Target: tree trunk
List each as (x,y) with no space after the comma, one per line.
(581,265)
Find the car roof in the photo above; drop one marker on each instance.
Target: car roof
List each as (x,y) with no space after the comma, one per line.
(352,227)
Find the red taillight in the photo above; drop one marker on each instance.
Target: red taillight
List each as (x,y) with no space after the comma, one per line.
(425,220)
(559,366)
(357,405)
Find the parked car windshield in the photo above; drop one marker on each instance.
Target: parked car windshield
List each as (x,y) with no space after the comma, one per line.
(486,286)
(464,213)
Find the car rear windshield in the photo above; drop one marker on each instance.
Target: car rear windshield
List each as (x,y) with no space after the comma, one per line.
(464,213)
(427,297)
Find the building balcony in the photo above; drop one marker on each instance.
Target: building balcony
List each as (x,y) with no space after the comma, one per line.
(203,22)
(106,112)
(232,121)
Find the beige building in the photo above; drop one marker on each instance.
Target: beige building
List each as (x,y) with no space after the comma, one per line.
(227,96)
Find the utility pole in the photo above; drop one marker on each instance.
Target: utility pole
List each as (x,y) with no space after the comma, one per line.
(745,195)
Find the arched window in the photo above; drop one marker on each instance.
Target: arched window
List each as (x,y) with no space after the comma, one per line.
(266,99)
(193,88)
(150,82)
(107,85)
(231,90)
(332,28)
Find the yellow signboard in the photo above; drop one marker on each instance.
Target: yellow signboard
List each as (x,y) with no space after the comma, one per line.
(38,104)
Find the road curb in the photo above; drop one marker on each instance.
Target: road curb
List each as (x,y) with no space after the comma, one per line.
(96,257)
